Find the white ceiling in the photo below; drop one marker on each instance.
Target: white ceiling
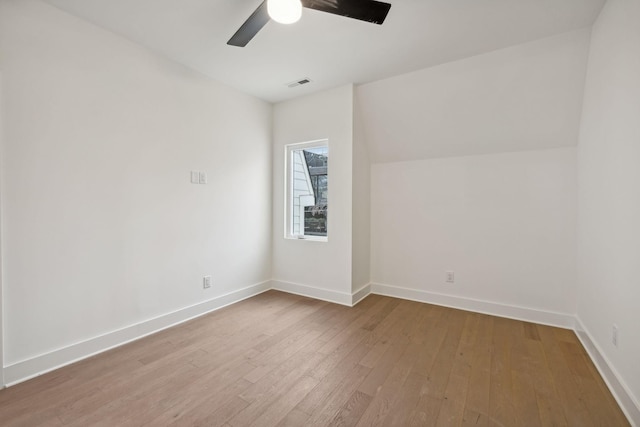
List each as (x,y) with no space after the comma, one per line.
(525,97)
(329,49)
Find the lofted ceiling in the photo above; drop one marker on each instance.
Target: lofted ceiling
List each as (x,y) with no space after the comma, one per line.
(328,49)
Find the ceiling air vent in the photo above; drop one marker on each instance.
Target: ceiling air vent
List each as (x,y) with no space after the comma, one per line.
(299,82)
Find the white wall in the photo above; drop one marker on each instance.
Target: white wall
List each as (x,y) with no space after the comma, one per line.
(102,228)
(504,223)
(525,97)
(609,193)
(361,201)
(2,383)
(320,265)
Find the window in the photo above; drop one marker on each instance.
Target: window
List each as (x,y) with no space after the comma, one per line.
(307,190)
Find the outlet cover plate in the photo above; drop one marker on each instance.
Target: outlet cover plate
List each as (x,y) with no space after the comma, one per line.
(206,282)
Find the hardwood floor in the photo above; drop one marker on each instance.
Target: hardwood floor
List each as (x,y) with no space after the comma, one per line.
(284,360)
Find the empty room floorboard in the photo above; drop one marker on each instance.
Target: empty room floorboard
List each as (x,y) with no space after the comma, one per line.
(284,360)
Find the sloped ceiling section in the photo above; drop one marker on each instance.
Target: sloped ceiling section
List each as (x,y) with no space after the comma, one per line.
(329,49)
(525,97)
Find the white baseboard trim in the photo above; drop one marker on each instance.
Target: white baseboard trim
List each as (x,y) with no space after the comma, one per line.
(623,395)
(360,294)
(312,292)
(30,368)
(550,318)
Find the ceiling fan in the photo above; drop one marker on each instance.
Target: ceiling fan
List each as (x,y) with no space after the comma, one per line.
(288,11)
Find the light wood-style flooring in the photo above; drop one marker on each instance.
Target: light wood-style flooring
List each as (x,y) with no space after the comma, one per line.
(283,360)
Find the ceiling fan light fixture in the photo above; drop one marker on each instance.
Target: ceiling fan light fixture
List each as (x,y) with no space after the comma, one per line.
(284,11)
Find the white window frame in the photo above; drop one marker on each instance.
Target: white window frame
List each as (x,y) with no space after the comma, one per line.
(288,189)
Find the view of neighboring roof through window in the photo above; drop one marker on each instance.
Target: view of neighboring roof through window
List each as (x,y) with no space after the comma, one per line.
(308,186)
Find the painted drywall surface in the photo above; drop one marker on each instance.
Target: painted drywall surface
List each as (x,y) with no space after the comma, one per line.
(361,201)
(1,233)
(102,228)
(325,115)
(609,191)
(525,97)
(503,223)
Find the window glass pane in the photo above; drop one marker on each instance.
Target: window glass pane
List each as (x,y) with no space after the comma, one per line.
(309,189)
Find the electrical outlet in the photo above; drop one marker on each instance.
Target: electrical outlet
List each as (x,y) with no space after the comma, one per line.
(614,335)
(450,277)
(195,177)
(206,282)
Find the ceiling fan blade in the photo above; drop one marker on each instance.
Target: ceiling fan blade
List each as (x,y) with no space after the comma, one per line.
(364,10)
(251,26)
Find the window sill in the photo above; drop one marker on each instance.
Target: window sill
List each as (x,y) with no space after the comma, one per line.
(308,238)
